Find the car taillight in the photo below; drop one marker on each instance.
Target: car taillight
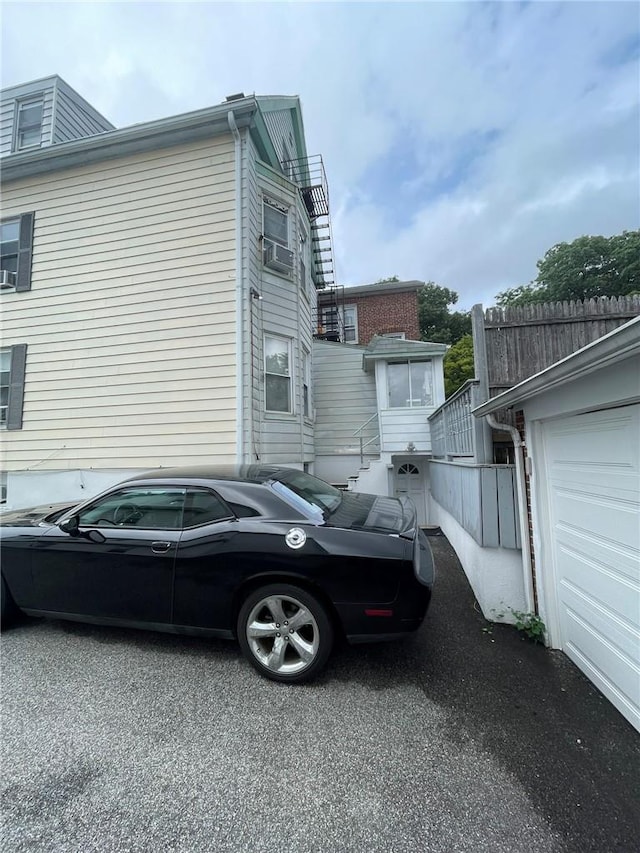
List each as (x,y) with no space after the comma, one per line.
(372,612)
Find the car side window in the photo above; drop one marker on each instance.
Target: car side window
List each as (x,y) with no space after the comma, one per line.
(203,507)
(146,507)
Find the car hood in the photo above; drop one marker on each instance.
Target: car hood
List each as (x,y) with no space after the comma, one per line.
(359,511)
(35,515)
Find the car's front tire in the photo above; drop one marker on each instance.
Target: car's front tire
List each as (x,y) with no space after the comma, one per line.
(285,633)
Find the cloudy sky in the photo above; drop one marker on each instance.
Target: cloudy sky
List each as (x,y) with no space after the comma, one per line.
(461,140)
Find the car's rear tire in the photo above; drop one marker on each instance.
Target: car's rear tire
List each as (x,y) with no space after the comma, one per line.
(7,607)
(285,633)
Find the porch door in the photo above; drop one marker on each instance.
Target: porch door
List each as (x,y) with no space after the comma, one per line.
(409,480)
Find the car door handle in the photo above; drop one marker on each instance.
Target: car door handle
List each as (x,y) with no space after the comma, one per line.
(160,547)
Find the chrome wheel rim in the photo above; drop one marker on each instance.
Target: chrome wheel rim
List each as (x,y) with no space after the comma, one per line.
(283,634)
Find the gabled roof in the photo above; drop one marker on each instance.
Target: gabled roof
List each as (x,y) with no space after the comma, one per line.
(152,135)
(618,345)
(147,136)
(394,349)
(278,103)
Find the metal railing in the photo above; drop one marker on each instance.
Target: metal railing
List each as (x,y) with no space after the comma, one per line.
(364,442)
(455,433)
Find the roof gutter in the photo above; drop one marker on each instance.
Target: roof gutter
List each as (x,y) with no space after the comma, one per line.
(138,138)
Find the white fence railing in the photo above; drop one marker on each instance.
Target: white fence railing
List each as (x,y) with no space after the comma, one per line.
(455,433)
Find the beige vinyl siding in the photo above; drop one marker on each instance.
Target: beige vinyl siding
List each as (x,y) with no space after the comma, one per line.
(130,322)
(252,221)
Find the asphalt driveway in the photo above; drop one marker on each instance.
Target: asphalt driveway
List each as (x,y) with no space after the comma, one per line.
(458,739)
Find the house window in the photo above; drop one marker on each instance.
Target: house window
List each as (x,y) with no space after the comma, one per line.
(409,384)
(306,385)
(397,335)
(329,324)
(16,245)
(12,376)
(277,374)
(277,255)
(29,124)
(350,321)
(9,241)
(275,226)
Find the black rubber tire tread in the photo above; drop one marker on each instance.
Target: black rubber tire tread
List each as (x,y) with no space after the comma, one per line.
(7,607)
(325,630)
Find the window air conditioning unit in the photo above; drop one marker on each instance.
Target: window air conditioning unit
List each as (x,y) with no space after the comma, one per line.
(278,258)
(7,279)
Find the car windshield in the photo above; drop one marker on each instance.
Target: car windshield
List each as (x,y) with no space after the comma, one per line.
(316,494)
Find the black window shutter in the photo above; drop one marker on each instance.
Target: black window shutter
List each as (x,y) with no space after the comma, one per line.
(25,249)
(16,386)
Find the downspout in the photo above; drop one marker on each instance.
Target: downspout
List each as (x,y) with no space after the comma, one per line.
(240,294)
(300,375)
(525,539)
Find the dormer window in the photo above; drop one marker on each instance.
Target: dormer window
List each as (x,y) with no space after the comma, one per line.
(29,124)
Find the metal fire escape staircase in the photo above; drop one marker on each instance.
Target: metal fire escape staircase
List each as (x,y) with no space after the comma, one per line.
(309,174)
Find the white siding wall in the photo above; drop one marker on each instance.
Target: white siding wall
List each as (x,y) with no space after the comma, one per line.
(284,310)
(399,427)
(130,323)
(345,400)
(72,120)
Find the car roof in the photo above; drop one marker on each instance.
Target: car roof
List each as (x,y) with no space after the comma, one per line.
(255,473)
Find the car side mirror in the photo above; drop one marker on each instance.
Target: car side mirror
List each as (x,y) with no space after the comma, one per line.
(70,526)
(95,536)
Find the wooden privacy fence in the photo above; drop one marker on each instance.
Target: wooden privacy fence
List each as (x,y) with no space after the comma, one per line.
(524,339)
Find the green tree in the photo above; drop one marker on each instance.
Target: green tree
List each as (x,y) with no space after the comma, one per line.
(437,322)
(458,365)
(585,268)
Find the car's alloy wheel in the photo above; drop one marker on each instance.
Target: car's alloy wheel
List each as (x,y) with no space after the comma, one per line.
(285,633)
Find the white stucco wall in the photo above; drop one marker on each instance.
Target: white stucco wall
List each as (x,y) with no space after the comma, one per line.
(374,480)
(336,468)
(35,488)
(495,574)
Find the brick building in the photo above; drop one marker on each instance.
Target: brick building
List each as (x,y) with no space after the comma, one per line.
(355,314)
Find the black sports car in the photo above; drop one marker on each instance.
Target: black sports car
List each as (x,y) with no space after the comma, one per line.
(277,558)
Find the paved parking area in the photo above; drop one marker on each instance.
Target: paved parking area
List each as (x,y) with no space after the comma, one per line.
(455,740)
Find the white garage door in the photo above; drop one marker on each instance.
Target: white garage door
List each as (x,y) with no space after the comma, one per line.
(593,476)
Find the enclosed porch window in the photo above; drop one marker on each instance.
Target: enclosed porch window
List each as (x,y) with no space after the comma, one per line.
(410,384)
